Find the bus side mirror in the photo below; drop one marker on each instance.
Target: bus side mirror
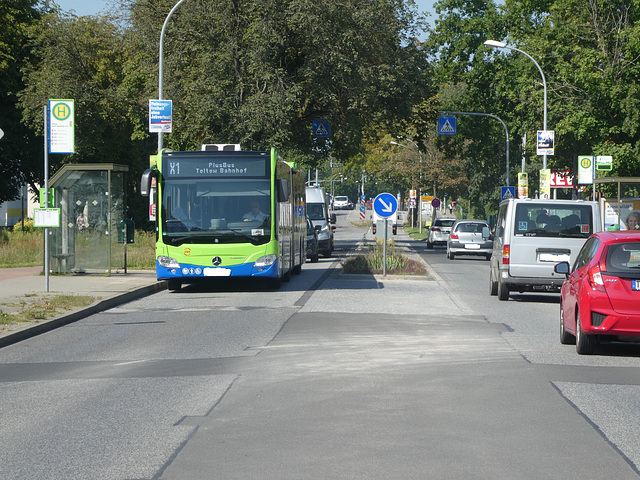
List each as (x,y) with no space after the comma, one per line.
(282,187)
(147,180)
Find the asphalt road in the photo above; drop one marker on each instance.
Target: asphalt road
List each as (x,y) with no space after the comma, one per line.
(329,377)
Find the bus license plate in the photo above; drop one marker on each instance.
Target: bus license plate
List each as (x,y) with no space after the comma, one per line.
(216,272)
(635,284)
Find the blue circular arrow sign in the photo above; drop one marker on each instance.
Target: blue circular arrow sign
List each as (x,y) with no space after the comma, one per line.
(385,205)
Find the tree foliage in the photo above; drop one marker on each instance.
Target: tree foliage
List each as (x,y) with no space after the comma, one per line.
(19,144)
(260,72)
(589,54)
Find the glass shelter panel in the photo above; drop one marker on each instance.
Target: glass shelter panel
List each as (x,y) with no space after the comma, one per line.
(92,203)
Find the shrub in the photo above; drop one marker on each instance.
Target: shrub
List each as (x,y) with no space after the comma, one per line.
(373,262)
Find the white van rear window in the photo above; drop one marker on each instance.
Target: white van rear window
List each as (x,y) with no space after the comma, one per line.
(545,220)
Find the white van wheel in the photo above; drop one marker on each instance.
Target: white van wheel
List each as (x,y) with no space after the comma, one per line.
(503,291)
(493,286)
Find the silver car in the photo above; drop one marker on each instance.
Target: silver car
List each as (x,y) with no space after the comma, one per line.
(469,237)
(439,231)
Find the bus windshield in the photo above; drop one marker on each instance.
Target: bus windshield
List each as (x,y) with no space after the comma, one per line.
(220,210)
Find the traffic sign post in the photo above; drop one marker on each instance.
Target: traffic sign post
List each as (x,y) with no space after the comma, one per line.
(507,193)
(321,129)
(385,205)
(447,125)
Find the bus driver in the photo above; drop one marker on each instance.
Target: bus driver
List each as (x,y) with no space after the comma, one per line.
(255,214)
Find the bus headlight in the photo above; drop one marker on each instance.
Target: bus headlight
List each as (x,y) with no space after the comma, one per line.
(168,262)
(266,261)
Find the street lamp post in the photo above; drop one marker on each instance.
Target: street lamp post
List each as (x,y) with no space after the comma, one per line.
(496,44)
(161,64)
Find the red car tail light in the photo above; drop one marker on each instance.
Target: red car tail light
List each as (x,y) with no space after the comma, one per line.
(595,278)
(505,254)
(435,229)
(454,236)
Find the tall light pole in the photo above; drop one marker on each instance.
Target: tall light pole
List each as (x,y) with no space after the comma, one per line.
(496,44)
(161,64)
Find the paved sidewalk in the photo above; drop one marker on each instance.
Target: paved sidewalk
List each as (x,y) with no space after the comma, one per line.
(27,285)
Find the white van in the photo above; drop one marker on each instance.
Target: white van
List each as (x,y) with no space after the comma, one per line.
(318,213)
(376,219)
(531,236)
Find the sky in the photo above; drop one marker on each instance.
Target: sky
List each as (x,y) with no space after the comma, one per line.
(93,7)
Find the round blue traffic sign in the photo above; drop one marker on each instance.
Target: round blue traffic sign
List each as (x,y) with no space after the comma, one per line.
(385,205)
(435,203)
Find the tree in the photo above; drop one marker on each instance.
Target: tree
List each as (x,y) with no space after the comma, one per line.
(82,59)
(259,73)
(19,145)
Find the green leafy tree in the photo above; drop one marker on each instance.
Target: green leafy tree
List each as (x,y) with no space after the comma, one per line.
(259,73)
(19,146)
(83,59)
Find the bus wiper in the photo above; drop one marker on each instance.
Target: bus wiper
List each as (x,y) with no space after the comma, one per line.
(237,231)
(213,233)
(189,237)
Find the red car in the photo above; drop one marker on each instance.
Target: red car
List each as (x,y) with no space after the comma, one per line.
(600,297)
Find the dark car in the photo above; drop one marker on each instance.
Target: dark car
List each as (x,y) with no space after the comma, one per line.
(312,241)
(600,298)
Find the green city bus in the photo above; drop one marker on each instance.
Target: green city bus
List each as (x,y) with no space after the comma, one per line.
(226,213)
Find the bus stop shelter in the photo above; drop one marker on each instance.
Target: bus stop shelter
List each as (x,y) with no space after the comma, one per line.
(93,231)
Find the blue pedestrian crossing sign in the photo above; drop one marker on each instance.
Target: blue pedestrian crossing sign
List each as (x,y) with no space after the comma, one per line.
(385,205)
(447,125)
(321,129)
(507,193)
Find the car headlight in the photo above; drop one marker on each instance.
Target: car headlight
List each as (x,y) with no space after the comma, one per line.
(266,261)
(168,262)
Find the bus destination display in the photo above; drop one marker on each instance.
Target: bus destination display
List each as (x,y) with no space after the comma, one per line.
(214,167)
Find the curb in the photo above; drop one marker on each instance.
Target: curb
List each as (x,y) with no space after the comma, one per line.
(67,318)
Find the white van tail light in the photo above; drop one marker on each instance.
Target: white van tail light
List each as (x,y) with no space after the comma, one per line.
(505,254)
